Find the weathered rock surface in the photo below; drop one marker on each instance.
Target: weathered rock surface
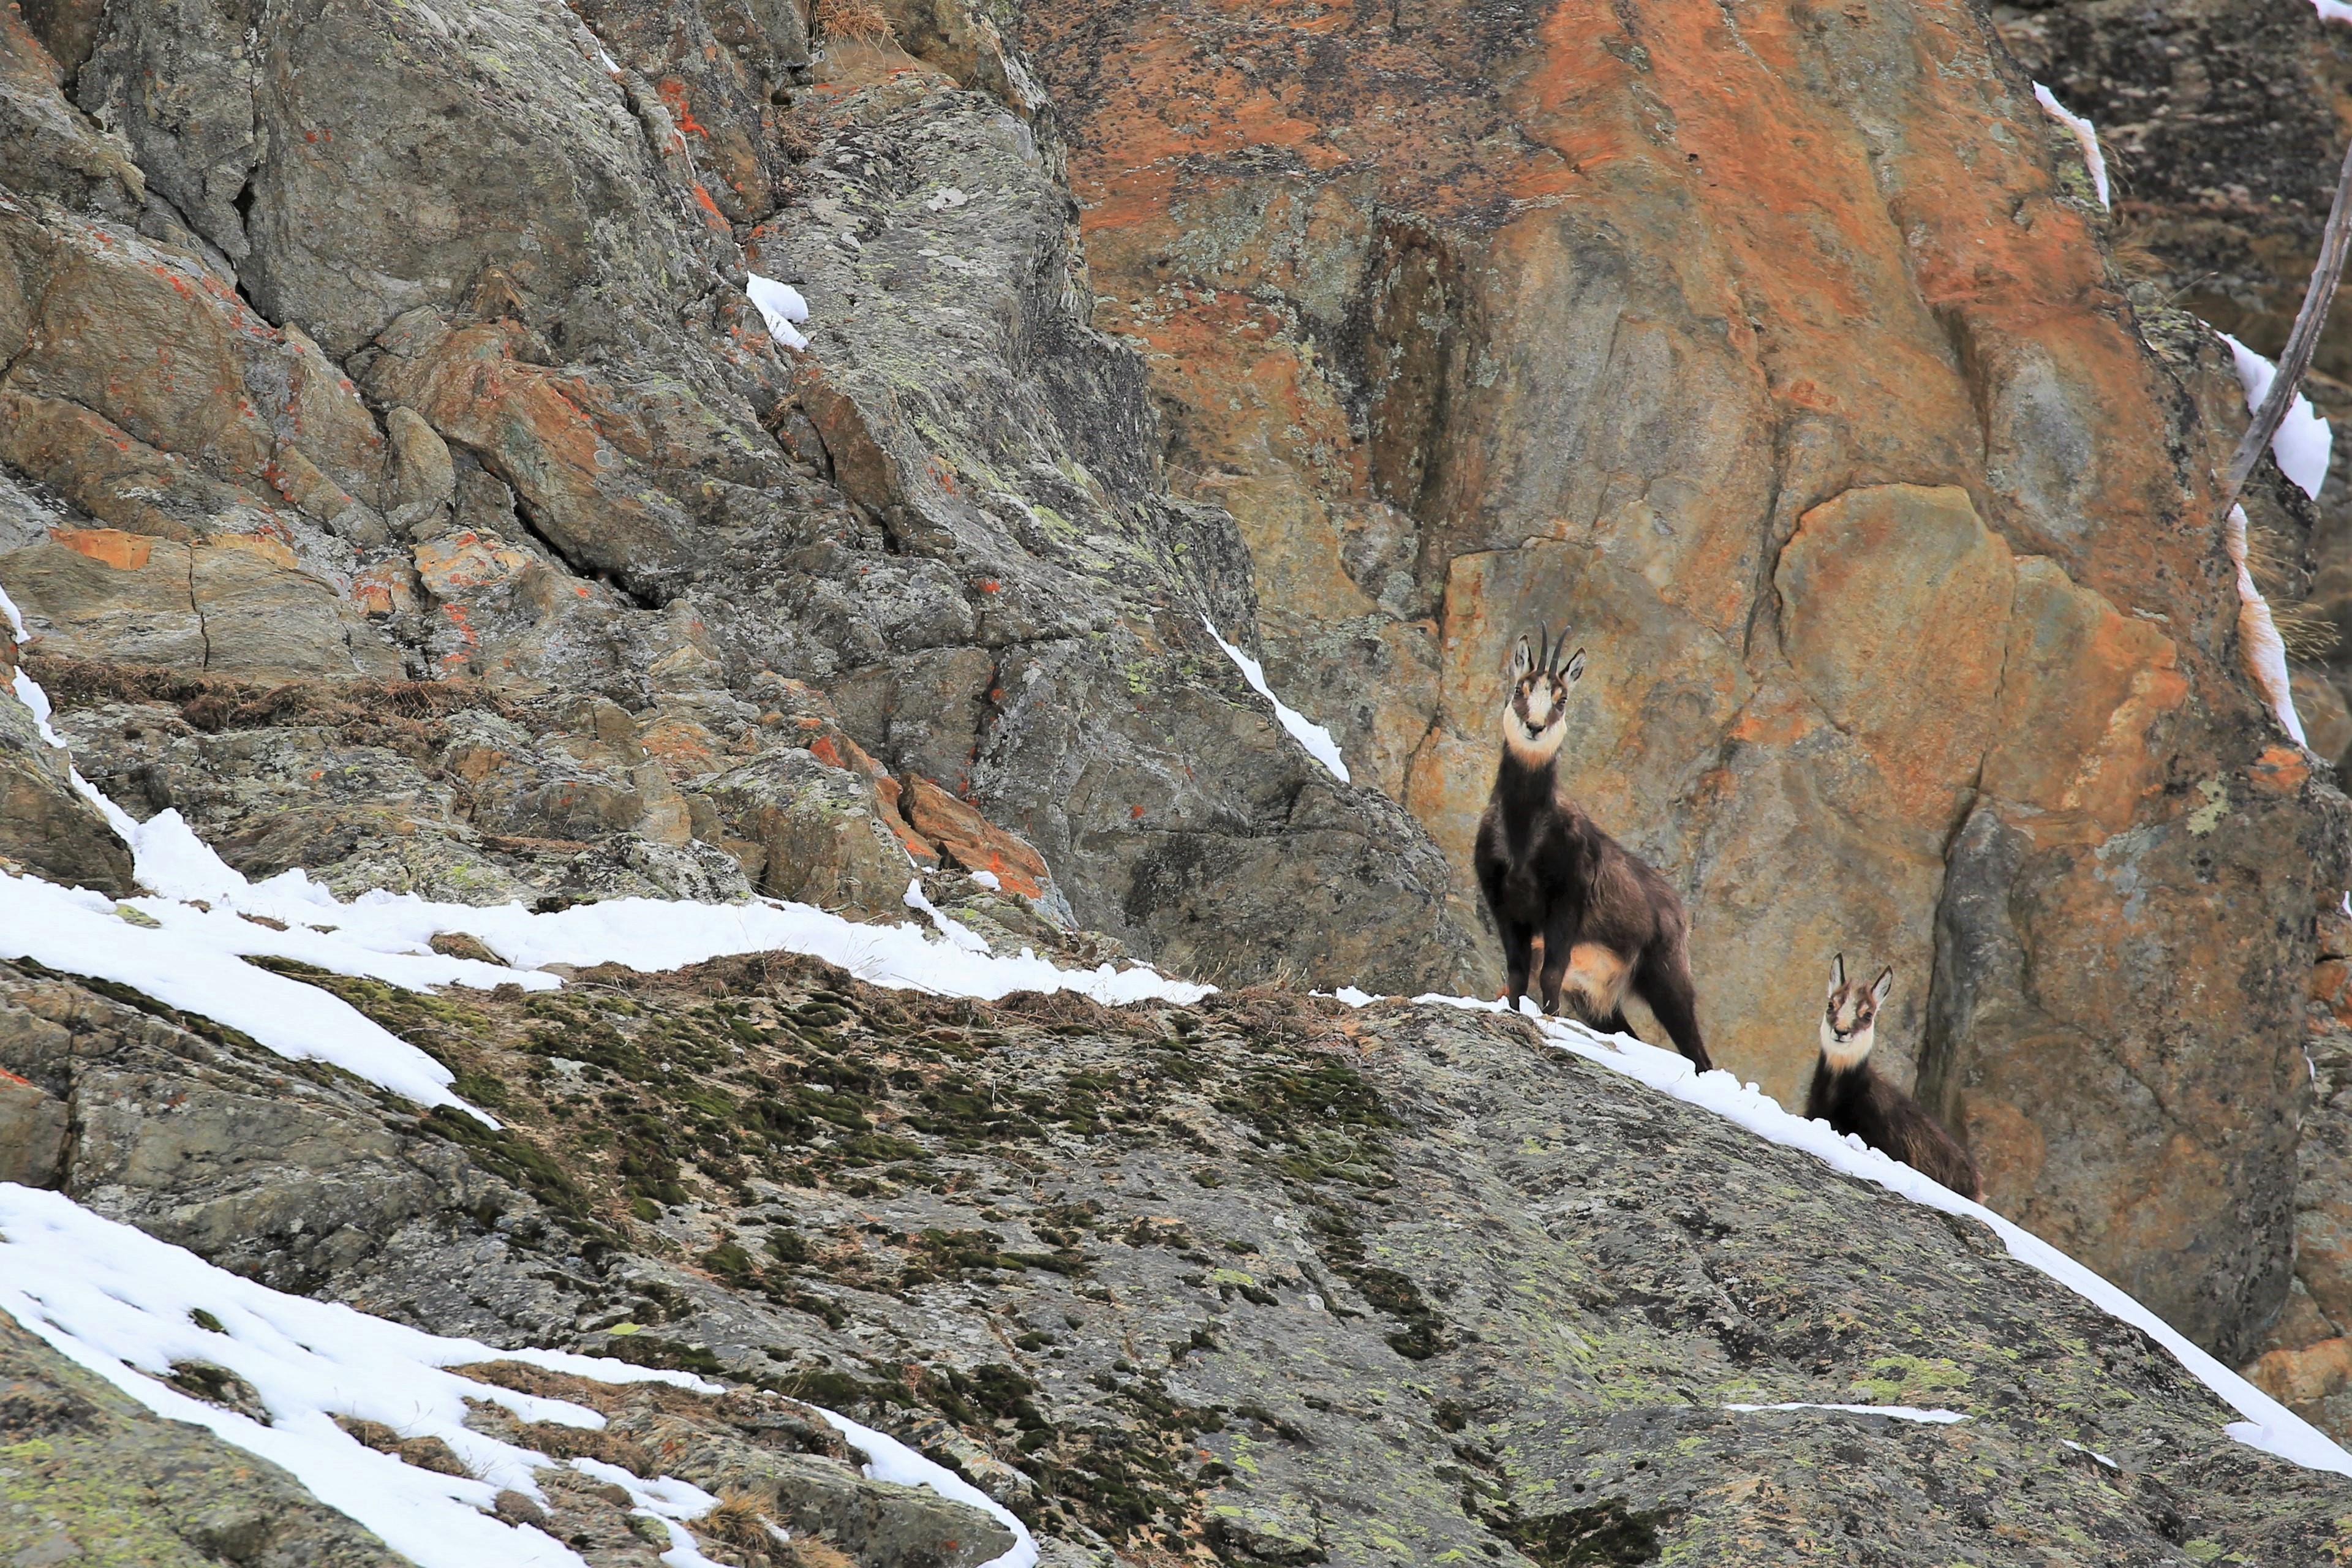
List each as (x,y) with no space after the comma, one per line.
(1266,1279)
(1682,329)
(337,344)
(514,419)
(87,1476)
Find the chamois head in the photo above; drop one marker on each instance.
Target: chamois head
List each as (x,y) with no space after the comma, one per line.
(1850,1018)
(1535,712)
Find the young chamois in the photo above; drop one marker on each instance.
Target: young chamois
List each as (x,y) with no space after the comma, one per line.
(1849,1095)
(1610,924)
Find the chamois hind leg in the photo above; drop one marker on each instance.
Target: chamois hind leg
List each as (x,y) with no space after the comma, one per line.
(1663,982)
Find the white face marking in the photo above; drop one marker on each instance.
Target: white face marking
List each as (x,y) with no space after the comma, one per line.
(1850,1018)
(1535,716)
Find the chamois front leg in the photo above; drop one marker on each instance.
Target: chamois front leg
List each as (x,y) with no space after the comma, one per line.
(1560,942)
(1518,941)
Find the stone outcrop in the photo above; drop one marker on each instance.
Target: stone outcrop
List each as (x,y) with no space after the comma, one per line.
(1675,326)
(91,1472)
(509,417)
(1264,1279)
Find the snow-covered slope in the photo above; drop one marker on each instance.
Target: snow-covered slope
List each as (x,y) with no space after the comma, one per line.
(127,1306)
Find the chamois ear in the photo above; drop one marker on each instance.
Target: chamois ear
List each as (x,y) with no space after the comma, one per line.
(1575,671)
(1837,972)
(1523,658)
(1882,986)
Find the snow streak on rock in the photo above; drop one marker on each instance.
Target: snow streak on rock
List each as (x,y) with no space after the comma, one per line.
(2085,136)
(129,1308)
(1314,737)
(2304,441)
(2258,636)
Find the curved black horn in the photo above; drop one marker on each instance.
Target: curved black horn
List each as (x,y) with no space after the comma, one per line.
(1543,646)
(1558,648)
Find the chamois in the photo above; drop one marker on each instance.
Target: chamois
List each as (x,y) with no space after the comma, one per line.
(1849,1095)
(1610,924)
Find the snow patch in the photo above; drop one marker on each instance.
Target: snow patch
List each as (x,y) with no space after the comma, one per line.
(2269,1425)
(1314,737)
(672,1502)
(2085,137)
(2304,441)
(957,935)
(888,1460)
(2332,10)
(185,946)
(2258,637)
(780,305)
(1900,1411)
(187,960)
(125,1305)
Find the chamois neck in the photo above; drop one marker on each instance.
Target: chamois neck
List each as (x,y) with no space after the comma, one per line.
(1525,784)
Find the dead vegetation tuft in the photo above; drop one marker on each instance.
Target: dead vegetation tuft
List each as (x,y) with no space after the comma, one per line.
(853,21)
(400,714)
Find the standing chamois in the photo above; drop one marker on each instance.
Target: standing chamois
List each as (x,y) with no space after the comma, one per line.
(1849,1095)
(1609,923)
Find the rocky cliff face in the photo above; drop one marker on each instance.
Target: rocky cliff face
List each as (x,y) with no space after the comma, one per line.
(397,480)
(1782,356)
(2224,127)
(339,347)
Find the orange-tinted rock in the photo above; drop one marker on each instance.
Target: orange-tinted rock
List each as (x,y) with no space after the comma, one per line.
(2299,1377)
(112,546)
(1843,455)
(892,795)
(534,426)
(231,602)
(145,338)
(971,840)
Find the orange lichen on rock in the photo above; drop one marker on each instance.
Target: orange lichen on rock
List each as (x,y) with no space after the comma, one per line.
(971,840)
(123,552)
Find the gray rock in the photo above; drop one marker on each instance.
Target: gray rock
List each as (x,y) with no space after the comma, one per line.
(1382,1285)
(90,1471)
(46,825)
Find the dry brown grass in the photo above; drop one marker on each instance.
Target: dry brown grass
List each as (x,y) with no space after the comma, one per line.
(402,714)
(2134,259)
(853,21)
(2309,635)
(740,1522)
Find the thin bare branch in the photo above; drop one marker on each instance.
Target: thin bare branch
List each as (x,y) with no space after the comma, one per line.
(2302,341)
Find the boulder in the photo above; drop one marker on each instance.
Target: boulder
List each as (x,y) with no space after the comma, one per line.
(973,842)
(807,831)
(228,602)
